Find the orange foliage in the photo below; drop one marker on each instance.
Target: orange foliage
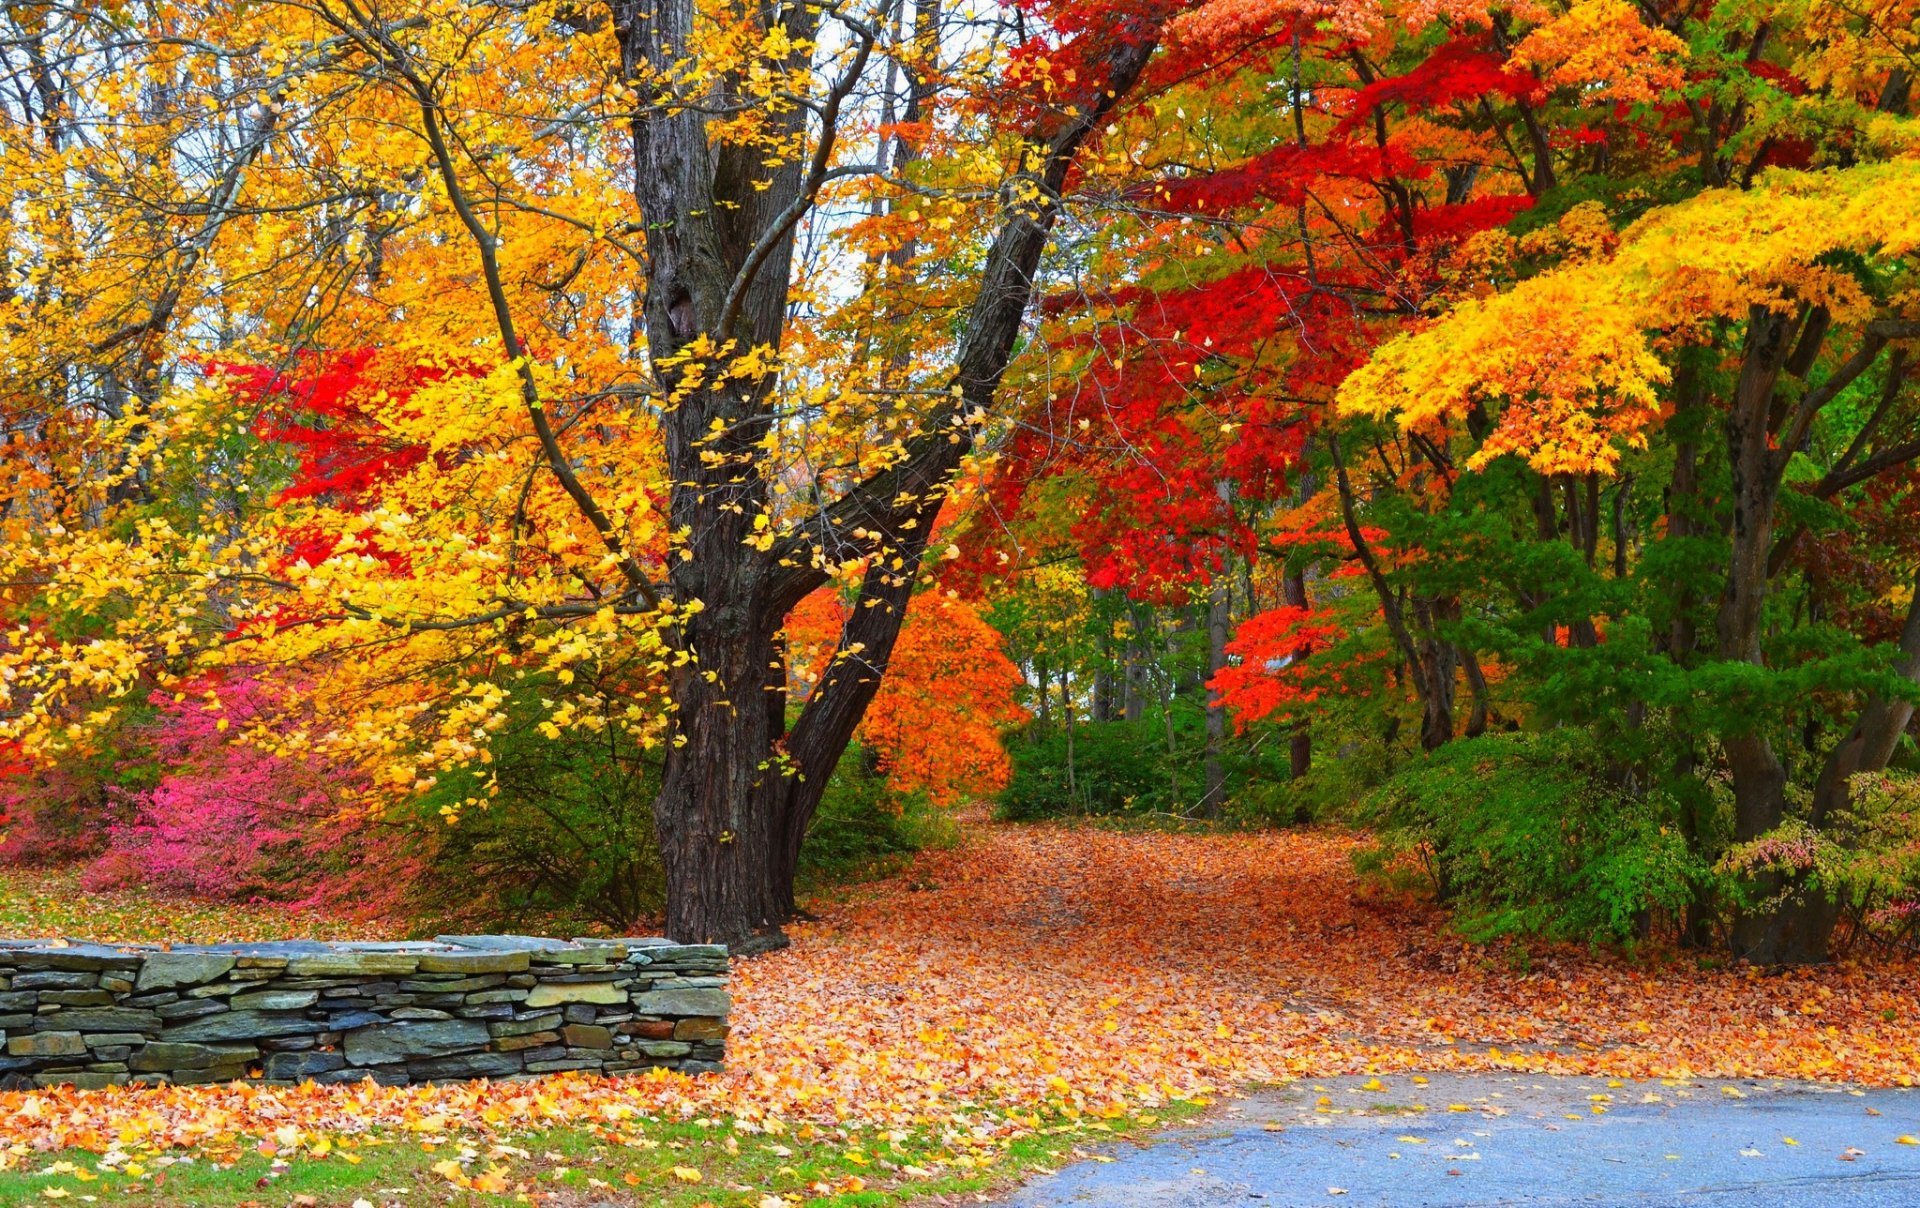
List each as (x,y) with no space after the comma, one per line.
(949,690)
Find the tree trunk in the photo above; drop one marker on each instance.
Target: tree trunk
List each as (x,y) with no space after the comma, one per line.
(1139,663)
(1300,744)
(1796,930)
(1219,603)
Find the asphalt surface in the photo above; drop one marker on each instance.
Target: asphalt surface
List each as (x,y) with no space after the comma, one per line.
(1459,1139)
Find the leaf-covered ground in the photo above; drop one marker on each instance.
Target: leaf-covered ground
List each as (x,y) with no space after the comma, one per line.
(1039,975)
(40,903)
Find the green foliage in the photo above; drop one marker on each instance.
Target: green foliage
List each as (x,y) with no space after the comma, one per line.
(1867,859)
(566,838)
(861,830)
(567,841)
(1116,768)
(1523,834)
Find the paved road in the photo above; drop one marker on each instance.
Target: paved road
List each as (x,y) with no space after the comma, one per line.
(1495,1139)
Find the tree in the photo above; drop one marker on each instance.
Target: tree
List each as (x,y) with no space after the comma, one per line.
(1571,368)
(645,451)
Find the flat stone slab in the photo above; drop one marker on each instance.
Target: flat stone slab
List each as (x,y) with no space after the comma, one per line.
(1499,1139)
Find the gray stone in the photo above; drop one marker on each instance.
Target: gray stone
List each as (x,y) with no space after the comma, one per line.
(346,1021)
(662,953)
(601,992)
(99,1019)
(400,1041)
(218,1073)
(244,1025)
(587,1036)
(683,1002)
(47,980)
(93,958)
(487,996)
(350,964)
(664,1048)
(510,1044)
(412,1013)
(548,1022)
(19,1001)
(170,1055)
(47,1044)
(454,986)
(700,1028)
(166,970)
(296,1067)
(84,1080)
(276,1000)
(76,998)
(505,943)
(188,1010)
(473,962)
(470,1065)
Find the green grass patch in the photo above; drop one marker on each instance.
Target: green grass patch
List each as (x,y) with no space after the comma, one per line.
(576,1167)
(50,902)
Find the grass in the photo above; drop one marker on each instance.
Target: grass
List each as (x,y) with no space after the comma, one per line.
(40,903)
(574,1168)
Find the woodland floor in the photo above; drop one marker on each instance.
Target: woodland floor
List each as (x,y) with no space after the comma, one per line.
(944,1022)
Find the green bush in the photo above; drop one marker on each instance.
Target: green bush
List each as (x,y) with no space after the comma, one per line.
(1117,768)
(566,841)
(1524,836)
(861,830)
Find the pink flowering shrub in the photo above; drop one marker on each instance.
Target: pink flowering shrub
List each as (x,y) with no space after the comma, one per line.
(230,820)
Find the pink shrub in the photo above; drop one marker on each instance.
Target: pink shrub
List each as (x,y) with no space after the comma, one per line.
(228,820)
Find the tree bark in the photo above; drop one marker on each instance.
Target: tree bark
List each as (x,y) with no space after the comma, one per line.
(1300,743)
(1215,770)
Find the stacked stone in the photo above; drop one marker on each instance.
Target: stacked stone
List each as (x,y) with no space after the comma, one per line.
(492,1006)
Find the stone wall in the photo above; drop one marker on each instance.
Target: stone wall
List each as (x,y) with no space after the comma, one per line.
(480,1006)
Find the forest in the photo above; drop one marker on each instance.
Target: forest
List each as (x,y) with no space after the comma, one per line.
(570,462)
(1289,565)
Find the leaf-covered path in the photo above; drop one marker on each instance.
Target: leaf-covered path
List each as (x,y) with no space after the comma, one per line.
(1035,970)
(1103,967)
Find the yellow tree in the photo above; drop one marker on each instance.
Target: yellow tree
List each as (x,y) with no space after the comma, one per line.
(572,235)
(1801,290)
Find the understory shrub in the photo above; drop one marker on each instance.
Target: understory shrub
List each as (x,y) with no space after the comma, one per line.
(1109,768)
(562,838)
(554,834)
(223,816)
(862,829)
(1523,835)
